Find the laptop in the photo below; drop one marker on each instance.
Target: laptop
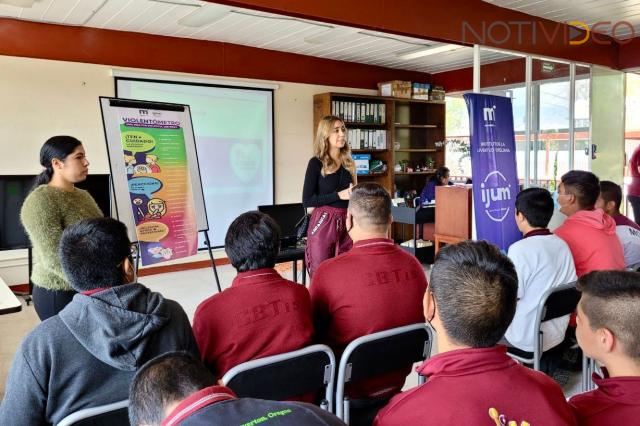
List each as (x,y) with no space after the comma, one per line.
(286,216)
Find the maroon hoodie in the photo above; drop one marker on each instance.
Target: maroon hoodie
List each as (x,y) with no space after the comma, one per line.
(615,402)
(591,236)
(481,386)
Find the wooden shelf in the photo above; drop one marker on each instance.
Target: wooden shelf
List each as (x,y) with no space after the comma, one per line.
(416,150)
(374,98)
(415,126)
(373,174)
(428,172)
(366,151)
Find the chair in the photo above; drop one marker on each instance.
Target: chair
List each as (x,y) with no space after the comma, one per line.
(105,415)
(555,303)
(285,376)
(378,353)
(589,367)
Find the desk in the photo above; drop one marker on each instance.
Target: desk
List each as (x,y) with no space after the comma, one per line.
(413,216)
(9,303)
(293,254)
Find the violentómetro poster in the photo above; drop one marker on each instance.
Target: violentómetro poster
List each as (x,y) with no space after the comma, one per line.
(160,191)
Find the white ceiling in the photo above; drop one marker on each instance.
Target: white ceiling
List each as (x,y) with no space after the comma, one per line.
(244,27)
(587,11)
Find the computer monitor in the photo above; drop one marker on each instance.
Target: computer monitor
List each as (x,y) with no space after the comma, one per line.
(15,188)
(286,216)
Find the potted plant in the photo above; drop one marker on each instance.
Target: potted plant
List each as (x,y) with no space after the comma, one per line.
(430,163)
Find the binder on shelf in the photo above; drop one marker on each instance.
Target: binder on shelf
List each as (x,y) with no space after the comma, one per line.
(359,112)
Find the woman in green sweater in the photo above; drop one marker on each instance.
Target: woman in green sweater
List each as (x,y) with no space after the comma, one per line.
(53,204)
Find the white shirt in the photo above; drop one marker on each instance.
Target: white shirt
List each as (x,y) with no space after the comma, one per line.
(542,262)
(630,240)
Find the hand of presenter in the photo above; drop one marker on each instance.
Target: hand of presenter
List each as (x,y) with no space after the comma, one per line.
(345,193)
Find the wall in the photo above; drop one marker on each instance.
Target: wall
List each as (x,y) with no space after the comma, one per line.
(45,97)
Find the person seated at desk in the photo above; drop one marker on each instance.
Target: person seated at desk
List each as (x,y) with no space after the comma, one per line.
(176,389)
(424,214)
(261,314)
(87,354)
(376,286)
(440,178)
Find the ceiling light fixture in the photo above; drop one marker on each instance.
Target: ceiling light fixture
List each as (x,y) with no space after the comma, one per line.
(204,15)
(428,50)
(331,34)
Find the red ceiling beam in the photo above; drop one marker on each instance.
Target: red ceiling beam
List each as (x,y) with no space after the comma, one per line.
(137,50)
(630,54)
(456,21)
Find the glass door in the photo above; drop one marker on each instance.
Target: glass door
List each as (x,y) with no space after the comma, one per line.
(607,123)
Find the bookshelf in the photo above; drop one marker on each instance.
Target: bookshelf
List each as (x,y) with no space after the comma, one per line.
(413,126)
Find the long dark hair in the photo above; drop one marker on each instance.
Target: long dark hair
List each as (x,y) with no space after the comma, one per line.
(56,147)
(440,173)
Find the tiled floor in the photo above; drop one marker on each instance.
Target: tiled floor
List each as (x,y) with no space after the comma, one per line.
(188,288)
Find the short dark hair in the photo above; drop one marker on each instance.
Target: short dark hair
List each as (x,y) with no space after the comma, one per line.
(162,381)
(370,204)
(610,299)
(610,191)
(475,287)
(585,186)
(92,251)
(536,205)
(252,241)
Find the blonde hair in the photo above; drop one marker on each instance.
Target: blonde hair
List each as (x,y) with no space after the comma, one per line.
(321,147)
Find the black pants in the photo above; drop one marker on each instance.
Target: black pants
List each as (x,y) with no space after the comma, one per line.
(635,205)
(49,302)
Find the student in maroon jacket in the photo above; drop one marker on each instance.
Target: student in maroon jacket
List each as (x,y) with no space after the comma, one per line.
(470,302)
(176,389)
(375,286)
(607,330)
(261,314)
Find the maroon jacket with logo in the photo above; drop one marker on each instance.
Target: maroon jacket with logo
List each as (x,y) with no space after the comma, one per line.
(218,405)
(373,287)
(478,387)
(260,315)
(615,402)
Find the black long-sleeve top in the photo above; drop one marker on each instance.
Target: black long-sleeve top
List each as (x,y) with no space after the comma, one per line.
(321,190)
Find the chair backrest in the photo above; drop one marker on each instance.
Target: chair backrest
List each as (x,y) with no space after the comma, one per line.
(103,415)
(285,376)
(378,353)
(558,302)
(386,351)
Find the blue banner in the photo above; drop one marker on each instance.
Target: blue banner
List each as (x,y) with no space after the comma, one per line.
(493,167)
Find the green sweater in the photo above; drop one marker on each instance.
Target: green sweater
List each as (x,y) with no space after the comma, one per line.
(46,212)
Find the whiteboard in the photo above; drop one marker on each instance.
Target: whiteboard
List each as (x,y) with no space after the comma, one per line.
(120,185)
